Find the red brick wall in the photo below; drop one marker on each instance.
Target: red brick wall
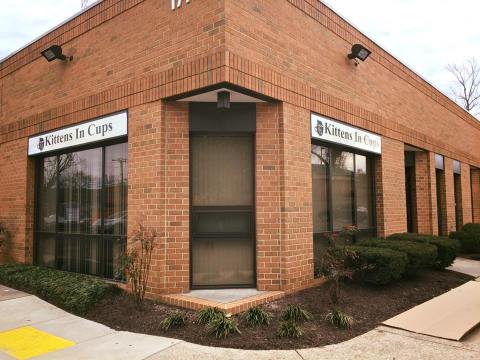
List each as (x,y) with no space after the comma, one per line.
(158,188)
(426,201)
(390,188)
(131,55)
(296,51)
(134,39)
(475,194)
(295,197)
(267,199)
(466,194)
(177,197)
(450,224)
(16,200)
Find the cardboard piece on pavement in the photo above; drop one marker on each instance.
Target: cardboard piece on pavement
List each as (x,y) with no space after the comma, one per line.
(448,316)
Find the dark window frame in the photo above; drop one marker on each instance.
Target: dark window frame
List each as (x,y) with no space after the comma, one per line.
(104,237)
(194,210)
(370,159)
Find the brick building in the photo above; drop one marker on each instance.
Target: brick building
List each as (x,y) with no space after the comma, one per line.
(239,130)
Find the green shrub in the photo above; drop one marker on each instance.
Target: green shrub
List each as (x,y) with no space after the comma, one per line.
(471,228)
(256,316)
(378,266)
(73,292)
(207,314)
(447,249)
(174,319)
(420,255)
(339,319)
(296,313)
(469,238)
(289,329)
(222,326)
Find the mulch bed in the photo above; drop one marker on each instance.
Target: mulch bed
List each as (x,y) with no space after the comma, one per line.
(368,305)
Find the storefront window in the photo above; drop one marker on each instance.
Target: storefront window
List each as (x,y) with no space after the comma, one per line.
(320,160)
(342,194)
(363,190)
(342,188)
(81,222)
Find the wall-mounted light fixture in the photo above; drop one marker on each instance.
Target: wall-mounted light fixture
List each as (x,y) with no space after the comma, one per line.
(359,52)
(223,100)
(55,52)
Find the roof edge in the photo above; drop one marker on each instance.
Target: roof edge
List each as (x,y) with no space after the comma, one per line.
(78,13)
(390,53)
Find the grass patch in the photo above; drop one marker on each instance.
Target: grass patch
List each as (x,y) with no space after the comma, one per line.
(289,329)
(174,319)
(296,313)
(207,314)
(255,316)
(221,327)
(339,319)
(76,293)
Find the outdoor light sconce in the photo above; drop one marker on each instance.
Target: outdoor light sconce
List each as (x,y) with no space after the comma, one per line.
(55,52)
(359,52)
(223,100)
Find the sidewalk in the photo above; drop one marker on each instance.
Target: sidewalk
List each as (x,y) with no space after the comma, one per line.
(466,266)
(26,322)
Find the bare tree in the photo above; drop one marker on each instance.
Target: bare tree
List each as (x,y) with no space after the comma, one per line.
(466,86)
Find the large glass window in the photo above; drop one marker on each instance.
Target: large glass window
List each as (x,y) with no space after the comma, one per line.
(342,188)
(82,210)
(364,192)
(342,194)
(320,173)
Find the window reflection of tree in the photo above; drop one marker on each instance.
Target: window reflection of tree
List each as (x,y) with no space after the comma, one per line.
(80,186)
(50,168)
(116,190)
(320,155)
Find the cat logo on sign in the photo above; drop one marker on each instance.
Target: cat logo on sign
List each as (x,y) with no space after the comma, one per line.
(178,3)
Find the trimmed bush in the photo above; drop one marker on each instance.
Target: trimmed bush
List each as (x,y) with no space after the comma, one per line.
(471,228)
(447,249)
(420,255)
(469,238)
(73,292)
(380,266)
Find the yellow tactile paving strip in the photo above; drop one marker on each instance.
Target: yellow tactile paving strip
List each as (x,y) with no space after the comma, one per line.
(27,342)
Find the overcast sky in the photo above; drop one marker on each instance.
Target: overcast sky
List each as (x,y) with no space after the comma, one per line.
(424,34)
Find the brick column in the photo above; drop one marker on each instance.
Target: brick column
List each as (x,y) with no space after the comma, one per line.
(16,201)
(295,198)
(449,197)
(158,189)
(390,186)
(426,199)
(475,178)
(145,181)
(177,197)
(267,181)
(466,194)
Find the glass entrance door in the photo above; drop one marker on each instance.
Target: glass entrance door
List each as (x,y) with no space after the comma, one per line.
(222,211)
